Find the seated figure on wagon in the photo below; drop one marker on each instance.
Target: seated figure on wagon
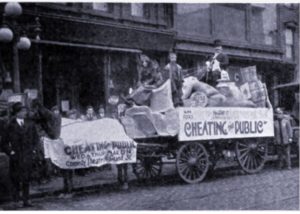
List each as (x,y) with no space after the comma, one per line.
(152,76)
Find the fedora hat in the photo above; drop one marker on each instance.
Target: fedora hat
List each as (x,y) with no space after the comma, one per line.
(217,43)
(17,107)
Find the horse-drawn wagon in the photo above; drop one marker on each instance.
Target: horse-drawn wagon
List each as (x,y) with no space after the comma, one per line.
(204,136)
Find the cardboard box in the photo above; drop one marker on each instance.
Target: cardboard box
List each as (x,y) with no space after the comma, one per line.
(258,95)
(257,91)
(256,85)
(248,74)
(245,89)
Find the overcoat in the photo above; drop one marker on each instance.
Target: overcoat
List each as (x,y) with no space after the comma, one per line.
(19,144)
(283,129)
(174,72)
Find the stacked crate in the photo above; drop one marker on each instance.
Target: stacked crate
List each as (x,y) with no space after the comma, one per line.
(253,88)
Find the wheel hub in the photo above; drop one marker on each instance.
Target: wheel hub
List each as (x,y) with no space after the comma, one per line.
(253,146)
(192,161)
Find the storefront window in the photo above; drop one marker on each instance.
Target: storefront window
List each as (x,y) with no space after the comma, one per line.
(289,43)
(230,21)
(193,19)
(264,24)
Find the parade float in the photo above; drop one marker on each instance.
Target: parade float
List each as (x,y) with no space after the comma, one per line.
(225,122)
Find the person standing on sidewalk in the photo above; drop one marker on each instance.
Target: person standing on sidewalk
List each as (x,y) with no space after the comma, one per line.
(49,126)
(21,139)
(283,138)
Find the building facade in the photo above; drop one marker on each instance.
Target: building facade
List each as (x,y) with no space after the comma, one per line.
(264,35)
(87,51)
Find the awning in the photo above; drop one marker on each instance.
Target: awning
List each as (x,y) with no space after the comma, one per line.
(233,53)
(290,85)
(80,45)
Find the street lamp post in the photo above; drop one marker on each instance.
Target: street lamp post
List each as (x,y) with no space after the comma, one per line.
(16,71)
(10,32)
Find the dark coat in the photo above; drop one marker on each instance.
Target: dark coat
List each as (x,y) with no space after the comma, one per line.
(22,141)
(3,124)
(49,122)
(149,78)
(283,129)
(223,59)
(174,72)
(150,75)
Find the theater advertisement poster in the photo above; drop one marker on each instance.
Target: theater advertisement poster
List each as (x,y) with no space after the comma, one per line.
(225,123)
(85,144)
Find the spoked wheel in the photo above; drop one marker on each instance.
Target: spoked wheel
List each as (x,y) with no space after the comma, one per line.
(192,162)
(251,155)
(147,167)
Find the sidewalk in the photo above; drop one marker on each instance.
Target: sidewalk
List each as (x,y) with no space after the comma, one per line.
(97,180)
(90,181)
(80,183)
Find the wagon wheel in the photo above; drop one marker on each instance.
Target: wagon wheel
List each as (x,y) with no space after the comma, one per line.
(147,167)
(192,162)
(251,155)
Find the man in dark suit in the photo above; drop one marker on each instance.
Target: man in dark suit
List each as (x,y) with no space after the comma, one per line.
(20,141)
(173,71)
(283,137)
(218,62)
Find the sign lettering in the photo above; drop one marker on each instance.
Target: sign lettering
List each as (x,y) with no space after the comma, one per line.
(215,123)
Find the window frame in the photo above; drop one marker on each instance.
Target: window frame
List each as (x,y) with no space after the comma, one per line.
(151,19)
(143,11)
(110,7)
(292,58)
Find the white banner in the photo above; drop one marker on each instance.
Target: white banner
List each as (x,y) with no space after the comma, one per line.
(224,123)
(86,144)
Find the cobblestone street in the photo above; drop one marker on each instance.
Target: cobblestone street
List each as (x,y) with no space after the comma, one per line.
(227,189)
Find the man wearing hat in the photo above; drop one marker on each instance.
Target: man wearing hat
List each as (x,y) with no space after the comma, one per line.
(20,142)
(283,137)
(217,63)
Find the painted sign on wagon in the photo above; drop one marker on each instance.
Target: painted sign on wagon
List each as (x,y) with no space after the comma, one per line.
(85,144)
(225,123)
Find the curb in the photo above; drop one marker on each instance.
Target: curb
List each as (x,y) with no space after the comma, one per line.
(74,190)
